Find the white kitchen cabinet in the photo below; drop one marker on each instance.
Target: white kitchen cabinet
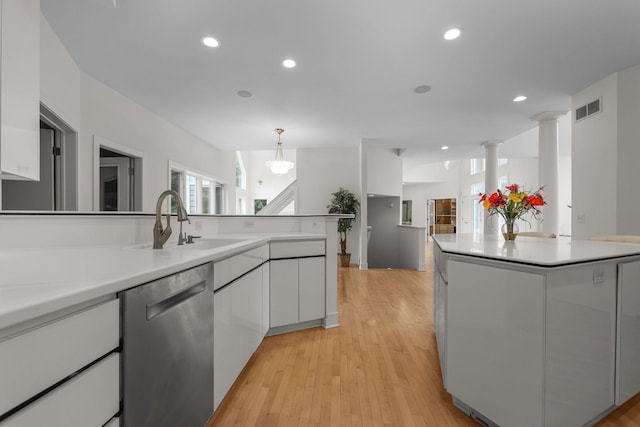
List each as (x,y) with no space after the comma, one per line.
(284,294)
(580,343)
(42,356)
(495,342)
(265,298)
(114,422)
(533,345)
(89,399)
(297,290)
(628,367)
(237,329)
(311,289)
(439,315)
(231,268)
(20,89)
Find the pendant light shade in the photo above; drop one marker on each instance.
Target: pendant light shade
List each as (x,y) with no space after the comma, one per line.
(279,166)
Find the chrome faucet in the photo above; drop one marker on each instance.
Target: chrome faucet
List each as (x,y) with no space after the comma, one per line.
(160,235)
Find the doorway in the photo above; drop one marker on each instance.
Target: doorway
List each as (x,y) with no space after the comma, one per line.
(118,177)
(57,188)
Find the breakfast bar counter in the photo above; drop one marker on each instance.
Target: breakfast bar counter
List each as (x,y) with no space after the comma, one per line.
(537,331)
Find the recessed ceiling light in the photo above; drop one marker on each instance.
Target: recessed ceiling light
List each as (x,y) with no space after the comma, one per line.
(452,34)
(519,98)
(370,195)
(289,63)
(210,41)
(244,94)
(422,89)
(444,147)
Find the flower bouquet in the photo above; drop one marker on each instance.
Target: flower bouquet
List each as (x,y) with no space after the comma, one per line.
(511,205)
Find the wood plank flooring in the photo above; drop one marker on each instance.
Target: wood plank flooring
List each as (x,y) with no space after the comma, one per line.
(379,368)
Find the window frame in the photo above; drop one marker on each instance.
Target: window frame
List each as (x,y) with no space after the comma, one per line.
(214,196)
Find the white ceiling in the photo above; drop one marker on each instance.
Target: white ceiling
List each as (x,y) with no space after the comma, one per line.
(358,62)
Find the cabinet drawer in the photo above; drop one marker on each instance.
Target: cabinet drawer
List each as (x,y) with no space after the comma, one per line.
(90,399)
(297,249)
(36,360)
(229,269)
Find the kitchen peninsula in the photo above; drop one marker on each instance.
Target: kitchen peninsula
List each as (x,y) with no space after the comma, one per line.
(537,332)
(63,326)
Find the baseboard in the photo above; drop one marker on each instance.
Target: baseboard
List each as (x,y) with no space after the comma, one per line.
(330,321)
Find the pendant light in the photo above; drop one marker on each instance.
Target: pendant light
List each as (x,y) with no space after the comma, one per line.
(279,166)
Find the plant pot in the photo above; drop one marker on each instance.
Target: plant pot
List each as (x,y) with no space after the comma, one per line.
(344,259)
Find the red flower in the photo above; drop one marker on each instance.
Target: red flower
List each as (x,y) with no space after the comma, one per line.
(512,188)
(483,198)
(536,200)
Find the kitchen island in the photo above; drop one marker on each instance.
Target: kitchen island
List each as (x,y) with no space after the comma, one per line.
(537,332)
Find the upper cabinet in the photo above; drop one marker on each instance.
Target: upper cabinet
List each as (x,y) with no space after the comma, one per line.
(20,89)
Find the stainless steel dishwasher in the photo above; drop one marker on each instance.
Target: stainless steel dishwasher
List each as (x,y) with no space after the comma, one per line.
(167,351)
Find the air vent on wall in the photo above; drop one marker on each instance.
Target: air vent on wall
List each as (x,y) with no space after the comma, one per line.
(588,109)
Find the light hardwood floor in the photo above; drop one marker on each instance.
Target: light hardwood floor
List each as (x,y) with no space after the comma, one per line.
(379,368)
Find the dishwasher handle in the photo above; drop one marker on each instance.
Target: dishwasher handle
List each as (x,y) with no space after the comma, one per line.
(156,309)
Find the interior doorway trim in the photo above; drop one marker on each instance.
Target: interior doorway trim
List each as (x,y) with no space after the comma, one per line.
(66,164)
(100,142)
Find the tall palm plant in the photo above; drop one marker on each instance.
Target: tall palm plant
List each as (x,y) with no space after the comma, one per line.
(344,202)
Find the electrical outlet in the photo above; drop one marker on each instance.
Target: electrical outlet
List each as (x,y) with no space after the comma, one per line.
(198,225)
(249,224)
(598,277)
(581,218)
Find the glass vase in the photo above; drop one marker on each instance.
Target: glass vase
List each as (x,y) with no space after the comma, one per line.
(510,229)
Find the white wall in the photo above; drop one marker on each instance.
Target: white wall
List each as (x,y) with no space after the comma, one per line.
(564,196)
(419,193)
(431,172)
(321,172)
(59,77)
(628,204)
(384,172)
(93,109)
(594,162)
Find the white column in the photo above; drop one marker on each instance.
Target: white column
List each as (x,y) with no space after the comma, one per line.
(491,181)
(364,254)
(549,168)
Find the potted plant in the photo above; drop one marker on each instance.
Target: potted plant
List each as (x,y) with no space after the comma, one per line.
(344,202)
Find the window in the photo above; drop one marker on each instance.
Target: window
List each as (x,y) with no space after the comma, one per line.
(241,174)
(258,204)
(502,182)
(200,194)
(205,196)
(478,209)
(241,205)
(477,166)
(502,162)
(477,188)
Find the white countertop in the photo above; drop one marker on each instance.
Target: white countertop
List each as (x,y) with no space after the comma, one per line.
(36,282)
(536,251)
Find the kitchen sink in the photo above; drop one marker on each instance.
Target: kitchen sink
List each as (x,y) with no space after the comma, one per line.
(201,244)
(210,243)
